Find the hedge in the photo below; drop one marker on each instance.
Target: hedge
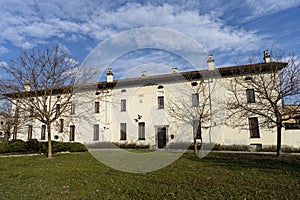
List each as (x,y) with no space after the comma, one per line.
(34,146)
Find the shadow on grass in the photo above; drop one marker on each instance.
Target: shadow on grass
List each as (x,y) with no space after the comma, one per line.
(236,161)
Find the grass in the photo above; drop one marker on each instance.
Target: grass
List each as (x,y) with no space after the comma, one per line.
(217,176)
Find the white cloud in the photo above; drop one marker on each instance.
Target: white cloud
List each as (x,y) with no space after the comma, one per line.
(27,45)
(2,63)
(3,50)
(25,23)
(260,8)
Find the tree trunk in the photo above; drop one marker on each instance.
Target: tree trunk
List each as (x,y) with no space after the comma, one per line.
(49,140)
(195,146)
(15,133)
(278,149)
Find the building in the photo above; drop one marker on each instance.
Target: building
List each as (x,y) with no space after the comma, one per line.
(159,110)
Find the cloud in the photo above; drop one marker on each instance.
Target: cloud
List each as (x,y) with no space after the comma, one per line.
(3,50)
(154,61)
(76,20)
(2,63)
(261,8)
(213,24)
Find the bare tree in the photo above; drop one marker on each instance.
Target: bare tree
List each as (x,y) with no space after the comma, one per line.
(8,120)
(38,84)
(260,90)
(193,106)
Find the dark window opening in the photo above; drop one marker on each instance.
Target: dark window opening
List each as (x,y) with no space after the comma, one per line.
(72,132)
(72,108)
(123,131)
(123,105)
(97,107)
(43,132)
(254,127)
(57,109)
(250,95)
(248,78)
(141,130)
(61,125)
(160,101)
(31,111)
(29,132)
(96,132)
(194,83)
(195,99)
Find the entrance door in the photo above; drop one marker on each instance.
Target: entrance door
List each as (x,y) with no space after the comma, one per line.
(161,137)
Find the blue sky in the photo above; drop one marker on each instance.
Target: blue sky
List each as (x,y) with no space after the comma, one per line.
(231,30)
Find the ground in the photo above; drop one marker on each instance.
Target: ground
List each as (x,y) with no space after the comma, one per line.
(217,176)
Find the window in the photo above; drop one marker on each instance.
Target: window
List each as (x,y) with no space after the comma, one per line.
(61,125)
(72,132)
(250,95)
(141,130)
(123,131)
(31,111)
(248,78)
(29,132)
(160,101)
(57,109)
(141,99)
(1,134)
(123,104)
(96,132)
(45,108)
(253,127)
(160,87)
(43,132)
(72,108)
(97,107)
(17,112)
(194,83)
(195,99)
(197,129)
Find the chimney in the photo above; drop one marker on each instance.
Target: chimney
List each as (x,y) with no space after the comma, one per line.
(109,75)
(143,73)
(174,70)
(211,62)
(27,86)
(267,58)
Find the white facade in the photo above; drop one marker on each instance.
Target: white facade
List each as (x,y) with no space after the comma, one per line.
(134,111)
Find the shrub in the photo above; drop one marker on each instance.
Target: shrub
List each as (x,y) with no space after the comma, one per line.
(74,147)
(132,146)
(3,147)
(219,147)
(287,149)
(102,145)
(284,149)
(17,146)
(33,146)
(269,148)
(58,147)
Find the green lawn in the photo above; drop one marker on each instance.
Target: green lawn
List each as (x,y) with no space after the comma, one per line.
(217,176)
